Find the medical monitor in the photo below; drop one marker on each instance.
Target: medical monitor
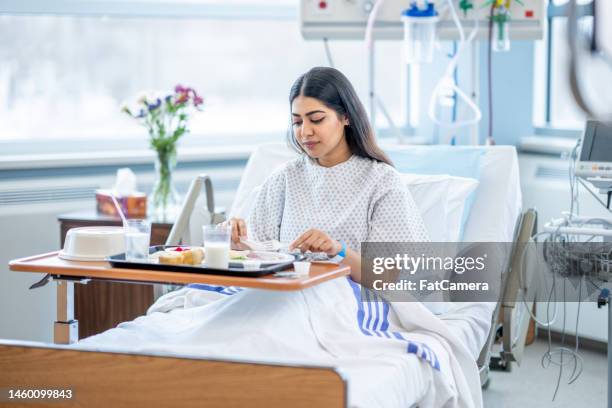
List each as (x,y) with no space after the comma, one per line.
(595,160)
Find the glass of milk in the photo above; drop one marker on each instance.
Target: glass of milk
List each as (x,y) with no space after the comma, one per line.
(216,245)
(137,238)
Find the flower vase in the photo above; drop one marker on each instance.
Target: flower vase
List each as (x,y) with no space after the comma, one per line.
(164,202)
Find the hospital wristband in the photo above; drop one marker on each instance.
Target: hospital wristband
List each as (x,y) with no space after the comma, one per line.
(342,254)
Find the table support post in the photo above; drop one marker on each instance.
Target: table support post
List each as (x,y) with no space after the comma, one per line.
(65,327)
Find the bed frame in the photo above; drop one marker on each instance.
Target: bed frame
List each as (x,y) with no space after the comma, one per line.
(111,379)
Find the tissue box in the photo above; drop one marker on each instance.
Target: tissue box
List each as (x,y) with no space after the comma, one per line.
(133,206)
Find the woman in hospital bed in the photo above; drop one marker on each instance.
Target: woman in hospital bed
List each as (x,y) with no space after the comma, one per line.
(341,191)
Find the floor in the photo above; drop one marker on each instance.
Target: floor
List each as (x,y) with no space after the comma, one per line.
(531,385)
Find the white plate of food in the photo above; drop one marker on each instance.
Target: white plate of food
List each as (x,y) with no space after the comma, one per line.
(264,258)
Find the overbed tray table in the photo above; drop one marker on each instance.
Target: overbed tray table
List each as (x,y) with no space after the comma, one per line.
(66,273)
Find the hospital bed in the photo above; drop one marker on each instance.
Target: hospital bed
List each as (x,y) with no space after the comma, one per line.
(121,379)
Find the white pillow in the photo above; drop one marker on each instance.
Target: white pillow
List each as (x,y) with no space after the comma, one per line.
(265,159)
(243,209)
(441,201)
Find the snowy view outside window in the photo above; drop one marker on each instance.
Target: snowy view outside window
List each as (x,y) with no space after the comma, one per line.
(64,77)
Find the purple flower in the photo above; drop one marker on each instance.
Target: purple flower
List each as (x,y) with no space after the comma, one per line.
(182,97)
(198,100)
(179,89)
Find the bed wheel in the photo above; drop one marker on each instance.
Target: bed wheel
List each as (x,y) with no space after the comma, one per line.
(499,364)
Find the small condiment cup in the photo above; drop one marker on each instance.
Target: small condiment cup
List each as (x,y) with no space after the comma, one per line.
(301,267)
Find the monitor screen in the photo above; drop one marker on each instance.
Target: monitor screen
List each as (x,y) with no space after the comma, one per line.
(597,142)
(601,147)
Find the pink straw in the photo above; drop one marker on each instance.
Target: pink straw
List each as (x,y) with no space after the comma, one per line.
(119,209)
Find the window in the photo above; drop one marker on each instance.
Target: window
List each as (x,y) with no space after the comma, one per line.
(64,77)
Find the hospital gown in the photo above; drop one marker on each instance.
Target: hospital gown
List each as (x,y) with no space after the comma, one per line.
(393,356)
(357,200)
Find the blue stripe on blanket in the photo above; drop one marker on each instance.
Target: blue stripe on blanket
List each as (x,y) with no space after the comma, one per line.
(424,352)
(370,327)
(371,324)
(360,311)
(224,290)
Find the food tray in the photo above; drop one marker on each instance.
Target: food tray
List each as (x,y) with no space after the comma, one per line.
(119,261)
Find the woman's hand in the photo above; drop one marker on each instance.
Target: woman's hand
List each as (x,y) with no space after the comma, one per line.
(239,230)
(315,240)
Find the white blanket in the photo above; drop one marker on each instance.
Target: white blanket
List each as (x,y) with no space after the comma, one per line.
(393,355)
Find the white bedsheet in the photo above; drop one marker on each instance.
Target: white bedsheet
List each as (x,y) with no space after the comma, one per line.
(319,325)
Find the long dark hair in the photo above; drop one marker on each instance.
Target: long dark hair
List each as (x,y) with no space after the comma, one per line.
(334,90)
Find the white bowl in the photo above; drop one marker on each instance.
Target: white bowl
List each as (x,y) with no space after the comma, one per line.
(93,243)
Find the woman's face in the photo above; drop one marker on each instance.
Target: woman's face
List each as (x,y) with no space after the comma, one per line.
(317,128)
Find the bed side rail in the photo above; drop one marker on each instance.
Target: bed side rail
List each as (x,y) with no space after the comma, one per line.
(505,311)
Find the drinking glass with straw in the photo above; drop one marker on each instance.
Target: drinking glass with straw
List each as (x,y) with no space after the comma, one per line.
(137,236)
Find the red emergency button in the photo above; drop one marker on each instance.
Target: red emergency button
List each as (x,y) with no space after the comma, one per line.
(322,5)
(528,13)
